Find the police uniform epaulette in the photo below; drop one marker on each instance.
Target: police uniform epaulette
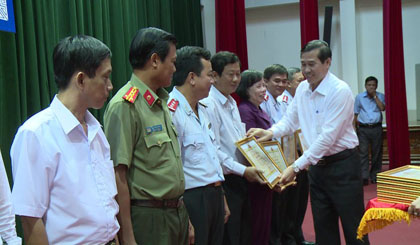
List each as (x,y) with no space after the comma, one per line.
(173,104)
(201,103)
(131,94)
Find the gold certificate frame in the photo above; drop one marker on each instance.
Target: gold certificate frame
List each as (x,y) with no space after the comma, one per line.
(407,173)
(288,146)
(302,142)
(273,148)
(259,158)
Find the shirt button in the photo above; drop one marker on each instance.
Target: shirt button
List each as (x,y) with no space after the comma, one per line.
(159,142)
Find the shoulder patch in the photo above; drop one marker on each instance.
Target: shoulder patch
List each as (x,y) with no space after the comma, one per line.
(173,104)
(266,97)
(285,98)
(131,94)
(149,97)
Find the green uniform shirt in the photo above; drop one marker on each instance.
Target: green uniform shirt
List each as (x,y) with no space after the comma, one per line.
(142,136)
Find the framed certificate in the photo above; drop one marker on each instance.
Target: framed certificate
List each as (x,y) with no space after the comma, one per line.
(273,148)
(301,140)
(288,145)
(259,158)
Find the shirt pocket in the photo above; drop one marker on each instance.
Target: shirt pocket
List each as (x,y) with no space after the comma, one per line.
(194,148)
(156,140)
(158,151)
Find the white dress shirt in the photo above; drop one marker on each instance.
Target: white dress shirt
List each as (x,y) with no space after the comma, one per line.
(272,108)
(325,116)
(7,216)
(198,144)
(65,177)
(228,128)
(285,99)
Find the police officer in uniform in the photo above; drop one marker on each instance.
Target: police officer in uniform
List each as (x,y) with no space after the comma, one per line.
(203,171)
(145,149)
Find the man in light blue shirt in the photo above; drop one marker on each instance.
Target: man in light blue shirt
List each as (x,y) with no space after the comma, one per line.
(368,109)
(203,195)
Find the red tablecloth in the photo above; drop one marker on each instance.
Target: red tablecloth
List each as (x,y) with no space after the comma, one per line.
(380,214)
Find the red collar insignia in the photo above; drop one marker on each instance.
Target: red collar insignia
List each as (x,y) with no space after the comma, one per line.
(173,104)
(285,98)
(149,98)
(266,97)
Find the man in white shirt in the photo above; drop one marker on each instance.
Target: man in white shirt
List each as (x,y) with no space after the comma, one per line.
(203,195)
(323,107)
(7,216)
(275,77)
(64,182)
(228,128)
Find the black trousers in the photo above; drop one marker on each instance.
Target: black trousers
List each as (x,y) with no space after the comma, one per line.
(205,206)
(296,205)
(373,137)
(337,193)
(238,228)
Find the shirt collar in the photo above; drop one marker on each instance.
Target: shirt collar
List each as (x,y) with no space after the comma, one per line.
(219,96)
(287,93)
(183,102)
(162,94)
(271,98)
(365,94)
(324,85)
(68,121)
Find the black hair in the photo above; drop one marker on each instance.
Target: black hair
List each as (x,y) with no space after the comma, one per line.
(77,53)
(148,41)
(248,78)
(189,60)
(324,49)
(371,78)
(274,69)
(222,59)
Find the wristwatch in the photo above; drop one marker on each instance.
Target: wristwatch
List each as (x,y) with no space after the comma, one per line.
(296,169)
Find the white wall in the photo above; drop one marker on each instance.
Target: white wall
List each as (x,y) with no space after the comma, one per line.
(273,36)
(370,45)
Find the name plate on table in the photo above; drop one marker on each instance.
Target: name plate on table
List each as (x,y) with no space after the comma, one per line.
(256,155)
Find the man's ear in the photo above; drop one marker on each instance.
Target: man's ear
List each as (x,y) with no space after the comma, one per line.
(80,78)
(191,78)
(155,60)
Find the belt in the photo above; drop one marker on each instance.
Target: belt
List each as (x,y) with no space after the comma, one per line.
(167,203)
(112,242)
(215,184)
(335,157)
(370,125)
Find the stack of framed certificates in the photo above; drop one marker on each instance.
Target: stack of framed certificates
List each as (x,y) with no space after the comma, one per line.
(266,156)
(399,185)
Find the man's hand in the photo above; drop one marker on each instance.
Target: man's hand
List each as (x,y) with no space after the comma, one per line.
(252,175)
(227,210)
(414,208)
(262,134)
(191,233)
(287,176)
